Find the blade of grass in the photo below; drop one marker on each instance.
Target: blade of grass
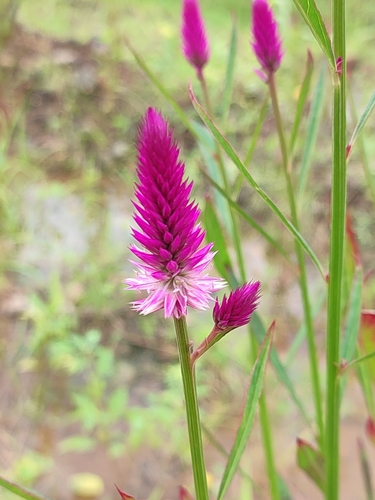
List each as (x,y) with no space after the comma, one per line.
(250,220)
(311,134)
(243,433)
(304,92)
(20,490)
(259,331)
(214,233)
(228,85)
(362,121)
(313,18)
(365,380)
(366,470)
(233,156)
(257,131)
(178,110)
(353,322)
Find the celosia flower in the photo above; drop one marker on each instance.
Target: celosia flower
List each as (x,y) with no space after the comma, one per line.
(236,310)
(233,312)
(266,39)
(194,40)
(172,267)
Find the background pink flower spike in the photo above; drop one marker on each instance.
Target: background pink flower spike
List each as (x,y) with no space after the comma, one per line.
(266,39)
(236,309)
(172,266)
(194,39)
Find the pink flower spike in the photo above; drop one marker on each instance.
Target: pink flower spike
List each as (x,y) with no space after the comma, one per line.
(172,265)
(236,310)
(266,39)
(233,312)
(194,39)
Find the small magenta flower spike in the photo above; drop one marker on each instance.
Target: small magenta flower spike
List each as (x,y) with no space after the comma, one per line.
(234,311)
(173,266)
(266,39)
(194,39)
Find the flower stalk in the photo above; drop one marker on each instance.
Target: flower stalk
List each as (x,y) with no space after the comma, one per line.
(313,356)
(192,410)
(336,254)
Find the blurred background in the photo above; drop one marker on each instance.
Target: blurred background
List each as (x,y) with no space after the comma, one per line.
(87,386)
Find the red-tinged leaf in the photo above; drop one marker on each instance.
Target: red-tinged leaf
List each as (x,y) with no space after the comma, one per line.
(311,461)
(367,337)
(370,429)
(184,494)
(123,495)
(352,240)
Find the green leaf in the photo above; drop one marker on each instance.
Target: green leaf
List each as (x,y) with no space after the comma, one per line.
(207,147)
(178,110)
(353,321)
(366,470)
(311,461)
(304,92)
(311,134)
(257,131)
(361,122)
(228,86)
(313,18)
(259,331)
(20,490)
(367,337)
(234,157)
(254,392)
(250,220)
(214,233)
(364,377)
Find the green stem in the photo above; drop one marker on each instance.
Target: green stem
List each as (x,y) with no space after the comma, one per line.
(303,282)
(336,255)
(192,410)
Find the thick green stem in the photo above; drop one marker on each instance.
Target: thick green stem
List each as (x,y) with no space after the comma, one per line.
(303,282)
(336,254)
(192,410)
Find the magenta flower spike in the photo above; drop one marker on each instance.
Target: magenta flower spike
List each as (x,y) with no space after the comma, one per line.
(236,309)
(233,312)
(266,39)
(194,39)
(173,265)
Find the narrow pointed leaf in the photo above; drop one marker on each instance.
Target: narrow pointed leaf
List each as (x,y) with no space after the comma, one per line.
(228,87)
(179,111)
(365,380)
(250,220)
(311,461)
(20,491)
(312,133)
(208,149)
(349,343)
(214,233)
(367,337)
(234,157)
(366,470)
(362,121)
(243,433)
(353,321)
(302,98)
(255,136)
(259,331)
(313,18)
